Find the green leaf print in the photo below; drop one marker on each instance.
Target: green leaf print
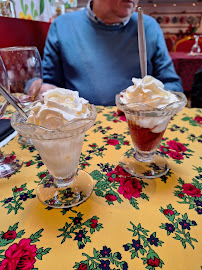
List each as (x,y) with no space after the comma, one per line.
(41,6)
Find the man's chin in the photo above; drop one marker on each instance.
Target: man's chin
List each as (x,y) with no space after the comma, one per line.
(126,14)
(127,9)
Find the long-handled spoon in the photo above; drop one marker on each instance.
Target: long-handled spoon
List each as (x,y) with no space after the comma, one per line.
(11,100)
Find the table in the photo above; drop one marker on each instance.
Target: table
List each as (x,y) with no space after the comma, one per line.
(186,66)
(126,223)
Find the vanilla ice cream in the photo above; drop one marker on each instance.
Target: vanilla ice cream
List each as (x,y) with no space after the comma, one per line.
(60,144)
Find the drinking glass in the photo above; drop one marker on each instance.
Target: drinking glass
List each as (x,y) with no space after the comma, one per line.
(9,163)
(195,48)
(65,186)
(24,69)
(147,126)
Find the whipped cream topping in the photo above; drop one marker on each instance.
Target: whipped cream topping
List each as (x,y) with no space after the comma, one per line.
(148,91)
(60,107)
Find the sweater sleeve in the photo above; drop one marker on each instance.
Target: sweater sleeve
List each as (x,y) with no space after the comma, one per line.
(52,62)
(163,68)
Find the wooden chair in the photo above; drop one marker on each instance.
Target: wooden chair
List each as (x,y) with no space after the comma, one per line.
(20,32)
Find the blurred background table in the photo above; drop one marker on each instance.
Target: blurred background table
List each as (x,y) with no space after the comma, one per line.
(186,66)
(126,223)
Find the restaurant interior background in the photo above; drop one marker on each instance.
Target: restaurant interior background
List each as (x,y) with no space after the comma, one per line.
(180,21)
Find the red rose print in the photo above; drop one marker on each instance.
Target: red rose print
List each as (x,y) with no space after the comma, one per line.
(120,171)
(9,235)
(112,142)
(126,143)
(92,145)
(154,263)
(130,187)
(198,119)
(176,155)
(114,114)
(42,175)
(28,163)
(9,159)
(19,256)
(18,189)
(123,118)
(181,195)
(52,202)
(111,179)
(84,164)
(191,190)
(116,176)
(110,197)
(164,149)
(168,211)
(82,266)
(179,147)
(93,223)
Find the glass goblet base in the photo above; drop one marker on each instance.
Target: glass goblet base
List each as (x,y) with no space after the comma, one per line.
(9,165)
(155,167)
(25,141)
(77,191)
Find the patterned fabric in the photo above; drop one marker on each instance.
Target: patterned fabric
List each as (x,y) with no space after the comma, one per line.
(127,223)
(39,10)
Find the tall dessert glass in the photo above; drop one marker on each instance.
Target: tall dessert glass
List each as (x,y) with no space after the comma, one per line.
(147,126)
(60,150)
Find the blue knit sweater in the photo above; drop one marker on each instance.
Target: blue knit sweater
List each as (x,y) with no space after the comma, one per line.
(99,61)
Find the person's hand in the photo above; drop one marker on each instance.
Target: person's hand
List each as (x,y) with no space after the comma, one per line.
(37,89)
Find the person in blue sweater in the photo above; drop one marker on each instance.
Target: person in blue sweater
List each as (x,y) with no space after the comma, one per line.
(95,51)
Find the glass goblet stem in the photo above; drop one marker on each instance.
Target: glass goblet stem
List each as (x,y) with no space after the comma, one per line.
(143,157)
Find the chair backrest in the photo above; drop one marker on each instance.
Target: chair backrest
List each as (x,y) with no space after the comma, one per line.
(169,43)
(20,32)
(185,44)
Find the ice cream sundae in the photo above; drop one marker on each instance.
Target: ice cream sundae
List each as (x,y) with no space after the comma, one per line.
(147,94)
(60,108)
(57,128)
(148,108)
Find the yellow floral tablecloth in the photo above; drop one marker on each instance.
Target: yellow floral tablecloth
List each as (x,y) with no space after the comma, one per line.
(126,223)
